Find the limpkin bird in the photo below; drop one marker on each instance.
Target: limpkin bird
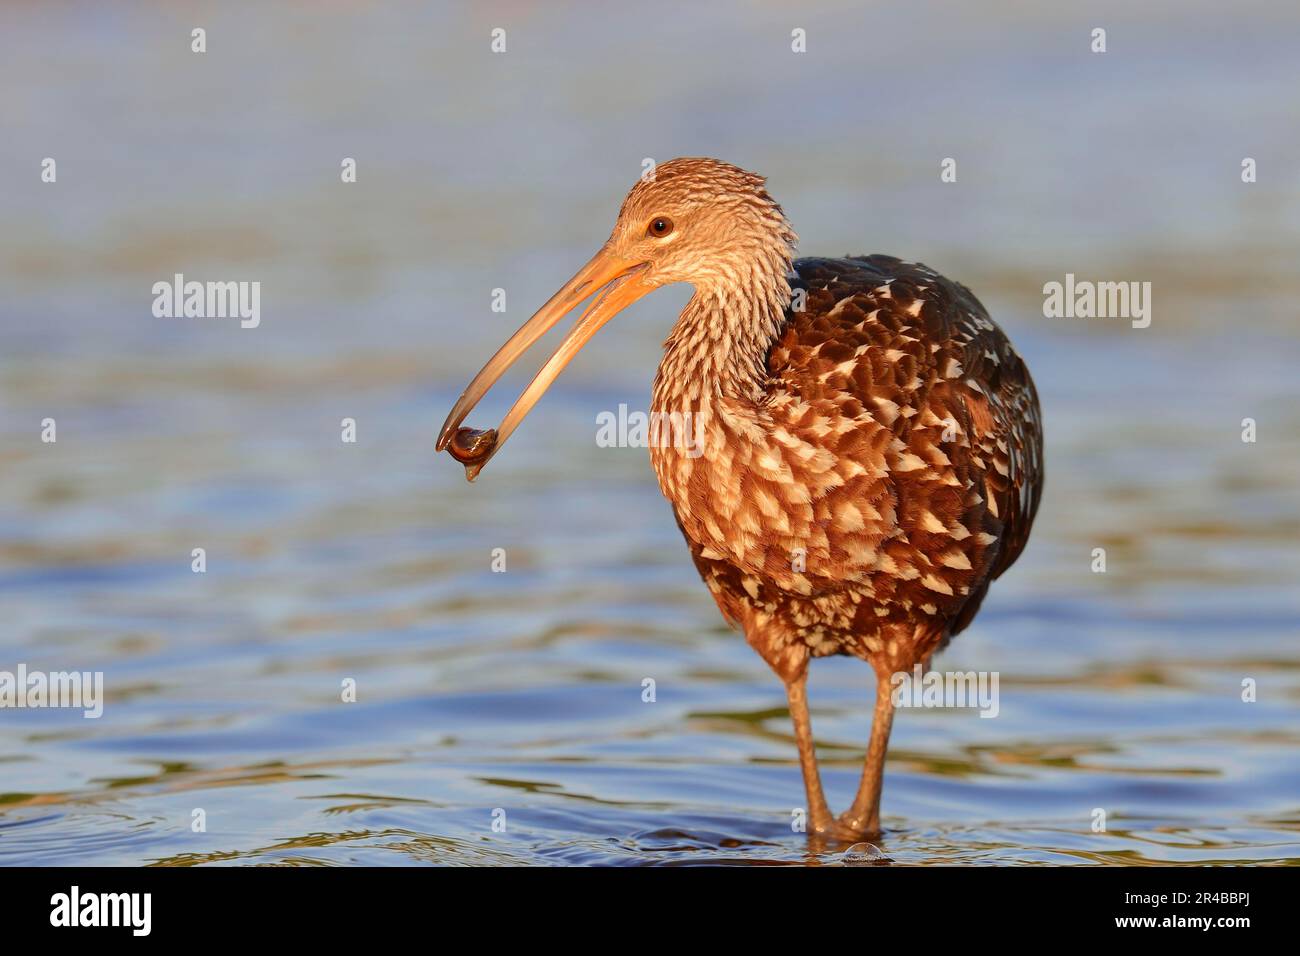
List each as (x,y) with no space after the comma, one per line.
(866,447)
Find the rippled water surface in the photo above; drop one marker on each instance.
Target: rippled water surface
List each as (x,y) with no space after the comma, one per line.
(518,695)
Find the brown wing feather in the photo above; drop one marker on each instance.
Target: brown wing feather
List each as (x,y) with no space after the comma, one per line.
(922,358)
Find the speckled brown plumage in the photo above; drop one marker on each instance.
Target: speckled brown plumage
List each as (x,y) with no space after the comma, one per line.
(895,473)
(855,449)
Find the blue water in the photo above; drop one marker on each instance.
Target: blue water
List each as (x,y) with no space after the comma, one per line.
(516,697)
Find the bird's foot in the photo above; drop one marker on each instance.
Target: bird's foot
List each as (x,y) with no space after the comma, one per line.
(861,826)
(836,831)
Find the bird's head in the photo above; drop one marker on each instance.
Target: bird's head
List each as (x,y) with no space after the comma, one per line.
(703,222)
(699,221)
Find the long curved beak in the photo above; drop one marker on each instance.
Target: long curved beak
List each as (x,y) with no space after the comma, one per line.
(615,282)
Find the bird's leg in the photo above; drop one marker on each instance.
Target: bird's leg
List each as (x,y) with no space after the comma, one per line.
(864,816)
(819,813)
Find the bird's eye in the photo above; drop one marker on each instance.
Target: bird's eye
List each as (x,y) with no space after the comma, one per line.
(659,227)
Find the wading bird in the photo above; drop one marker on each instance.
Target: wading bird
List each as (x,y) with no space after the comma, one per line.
(871,444)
